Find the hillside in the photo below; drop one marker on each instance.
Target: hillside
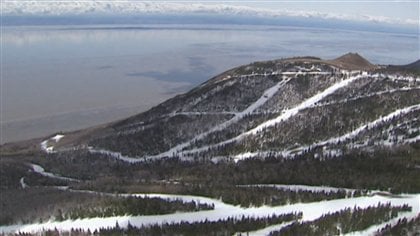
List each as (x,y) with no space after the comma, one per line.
(303,140)
(280,108)
(409,68)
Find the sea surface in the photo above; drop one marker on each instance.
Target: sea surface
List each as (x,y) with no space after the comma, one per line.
(62,78)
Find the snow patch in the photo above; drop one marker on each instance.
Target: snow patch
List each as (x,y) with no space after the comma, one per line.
(57,137)
(46,145)
(22,183)
(40,170)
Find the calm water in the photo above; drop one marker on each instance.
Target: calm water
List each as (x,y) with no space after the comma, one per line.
(66,78)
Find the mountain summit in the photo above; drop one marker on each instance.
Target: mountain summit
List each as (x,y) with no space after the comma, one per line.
(353,61)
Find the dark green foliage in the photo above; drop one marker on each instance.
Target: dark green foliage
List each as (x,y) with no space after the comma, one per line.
(258,196)
(224,227)
(403,227)
(131,206)
(10,173)
(156,137)
(41,204)
(344,221)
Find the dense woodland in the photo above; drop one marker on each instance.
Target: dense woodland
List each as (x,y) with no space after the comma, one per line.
(393,170)
(118,206)
(53,204)
(403,227)
(228,226)
(258,196)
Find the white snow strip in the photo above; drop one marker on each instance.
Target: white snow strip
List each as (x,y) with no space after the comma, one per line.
(311,211)
(117,155)
(22,183)
(267,230)
(367,95)
(57,137)
(412,140)
(38,169)
(403,78)
(260,154)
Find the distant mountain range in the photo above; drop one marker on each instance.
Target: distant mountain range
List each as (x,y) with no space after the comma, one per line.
(134,12)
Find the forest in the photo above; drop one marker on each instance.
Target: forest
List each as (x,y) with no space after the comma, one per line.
(223,227)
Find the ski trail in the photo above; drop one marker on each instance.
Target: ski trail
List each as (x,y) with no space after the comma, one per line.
(404,89)
(118,155)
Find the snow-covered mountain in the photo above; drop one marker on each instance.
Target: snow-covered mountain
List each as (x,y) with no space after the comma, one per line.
(130,8)
(281,108)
